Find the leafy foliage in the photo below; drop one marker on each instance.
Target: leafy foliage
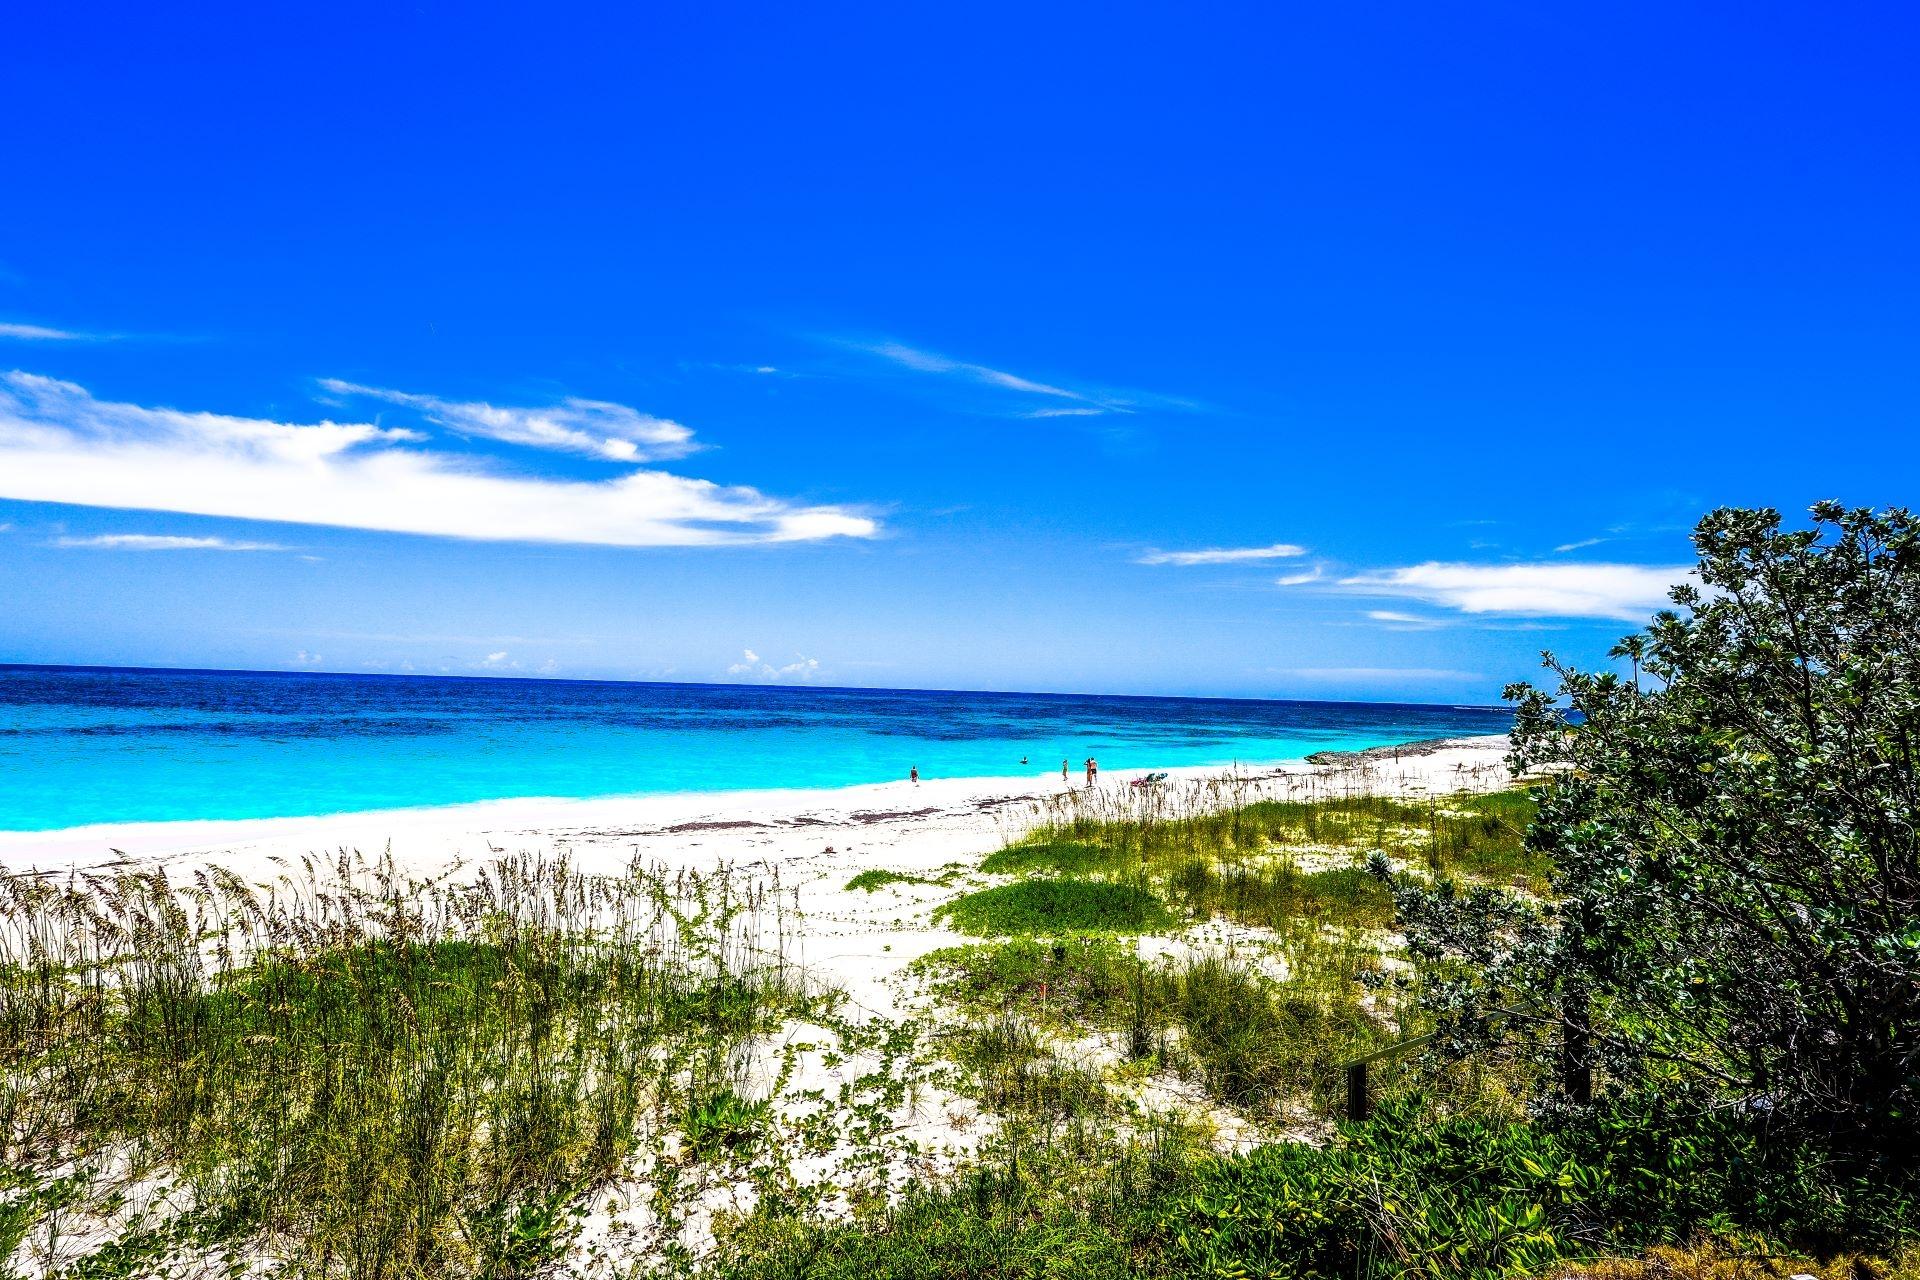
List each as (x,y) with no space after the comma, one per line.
(1389,1198)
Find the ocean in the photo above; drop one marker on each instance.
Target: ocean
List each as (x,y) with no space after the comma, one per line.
(82,745)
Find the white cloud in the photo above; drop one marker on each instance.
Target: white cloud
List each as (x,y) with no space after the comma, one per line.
(752,667)
(1223,555)
(59,444)
(1580,545)
(598,428)
(1626,592)
(163,542)
(498,659)
(1300,579)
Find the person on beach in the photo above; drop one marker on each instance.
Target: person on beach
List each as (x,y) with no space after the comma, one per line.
(1064,775)
(1093,770)
(913,775)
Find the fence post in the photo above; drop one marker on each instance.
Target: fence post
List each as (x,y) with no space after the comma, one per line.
(1576,1051)
(1357,1101)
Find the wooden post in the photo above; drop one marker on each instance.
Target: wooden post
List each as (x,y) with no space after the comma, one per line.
(1357,1101)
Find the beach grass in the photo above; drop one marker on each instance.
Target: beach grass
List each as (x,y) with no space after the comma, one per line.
(367,1076)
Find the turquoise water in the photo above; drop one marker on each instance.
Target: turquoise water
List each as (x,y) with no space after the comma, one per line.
(86,745)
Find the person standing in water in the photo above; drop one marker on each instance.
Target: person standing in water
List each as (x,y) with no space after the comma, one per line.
(913,775)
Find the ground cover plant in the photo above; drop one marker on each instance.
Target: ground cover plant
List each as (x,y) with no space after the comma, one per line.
(874,878)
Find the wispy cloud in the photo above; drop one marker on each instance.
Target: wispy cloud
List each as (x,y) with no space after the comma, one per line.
(1626,592)
(41,333)
(59,444)
(1300,579)
(753,667)
(598,428)
(1397,620)
(163,542)
(1067,401)
(1581,545)
(931,362)
(1223,555)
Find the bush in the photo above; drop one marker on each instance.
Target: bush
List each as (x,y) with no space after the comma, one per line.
(1056,907)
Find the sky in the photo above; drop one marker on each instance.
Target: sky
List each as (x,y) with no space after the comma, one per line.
(1329,351)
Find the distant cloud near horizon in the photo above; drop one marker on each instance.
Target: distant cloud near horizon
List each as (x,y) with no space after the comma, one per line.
(754,667)
(1224,555)
(597,428)
(60,444)
(163,542)
(1624,592)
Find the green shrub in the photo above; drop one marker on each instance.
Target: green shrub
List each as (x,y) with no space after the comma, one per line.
(1058,857)
(1057,907)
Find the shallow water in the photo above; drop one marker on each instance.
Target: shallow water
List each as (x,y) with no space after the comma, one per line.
(86,745)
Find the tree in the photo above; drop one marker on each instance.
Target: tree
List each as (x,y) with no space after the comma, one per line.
(1736,899)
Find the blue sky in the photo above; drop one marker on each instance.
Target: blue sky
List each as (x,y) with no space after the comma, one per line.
(1314,351)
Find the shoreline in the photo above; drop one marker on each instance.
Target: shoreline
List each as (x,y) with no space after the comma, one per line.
(467,830)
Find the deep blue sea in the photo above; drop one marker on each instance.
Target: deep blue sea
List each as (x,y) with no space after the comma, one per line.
(85,745)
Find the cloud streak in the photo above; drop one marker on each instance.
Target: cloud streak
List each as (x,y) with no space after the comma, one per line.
(41,333)
(1059,401)
(1224,555)
(163,542)
(60,444)
(596,428)
(1624,592)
